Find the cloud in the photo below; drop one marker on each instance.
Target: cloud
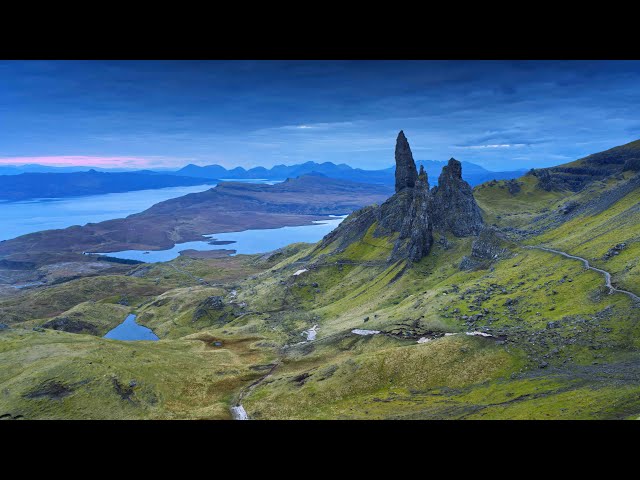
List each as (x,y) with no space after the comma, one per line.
(303,126)
(79,160)
(496,145)
(155,114)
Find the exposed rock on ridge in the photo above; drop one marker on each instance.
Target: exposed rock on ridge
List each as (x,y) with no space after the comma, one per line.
(577,175)
(486,248)
(416,232)
(415,211)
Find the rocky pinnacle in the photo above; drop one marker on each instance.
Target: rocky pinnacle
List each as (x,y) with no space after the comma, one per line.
(422,177)
(454,208)
(406,173)
(453,169)
(415,211)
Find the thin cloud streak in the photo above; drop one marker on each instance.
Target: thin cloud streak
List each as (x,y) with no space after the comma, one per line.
(80,160)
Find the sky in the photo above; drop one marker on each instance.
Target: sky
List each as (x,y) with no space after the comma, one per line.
(503,115)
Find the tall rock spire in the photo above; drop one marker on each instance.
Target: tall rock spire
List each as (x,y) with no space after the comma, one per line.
(416,233)
(406,173)
(414,213)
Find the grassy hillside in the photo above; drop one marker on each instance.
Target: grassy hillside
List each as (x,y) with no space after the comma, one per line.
(527,334)
(589,223)
(53,301)
(54,374)
(503,208)
(549,314)
(592,236)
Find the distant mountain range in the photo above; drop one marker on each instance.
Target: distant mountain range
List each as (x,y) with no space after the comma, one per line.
(26,186)
(37,168)
(473,173)
(40,181)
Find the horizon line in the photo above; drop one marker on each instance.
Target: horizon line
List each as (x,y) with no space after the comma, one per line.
(133,163)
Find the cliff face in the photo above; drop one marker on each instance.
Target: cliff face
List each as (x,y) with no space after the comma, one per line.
(416,232)
(454,208)
(406,174)
(415,211)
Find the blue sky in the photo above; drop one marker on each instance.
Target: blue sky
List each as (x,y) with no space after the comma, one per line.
(499,114)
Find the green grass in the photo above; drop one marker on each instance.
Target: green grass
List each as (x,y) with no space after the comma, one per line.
(48,302)
(370,248)
(186,271)
(185,378)
(171,315)
(569,348)
(102,316)
(339,392)
(591,236)
(502,208)
(592,327)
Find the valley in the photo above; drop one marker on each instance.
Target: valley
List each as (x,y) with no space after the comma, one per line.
(51,256)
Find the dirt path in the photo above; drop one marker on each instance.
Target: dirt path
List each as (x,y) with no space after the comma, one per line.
(607,275)
(237,411)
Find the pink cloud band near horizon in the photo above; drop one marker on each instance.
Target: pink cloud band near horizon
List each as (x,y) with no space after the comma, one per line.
(78,161)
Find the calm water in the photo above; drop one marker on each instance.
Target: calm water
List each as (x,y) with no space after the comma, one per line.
(248,241)
(20,218)
(130,330)
(252,180)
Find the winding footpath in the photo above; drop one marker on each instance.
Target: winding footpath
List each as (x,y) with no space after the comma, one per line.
(238,412)
(607,275)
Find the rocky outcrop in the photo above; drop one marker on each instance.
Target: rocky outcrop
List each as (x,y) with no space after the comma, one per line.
(454,208)
(203,309)
(599,166)
(632,165)
(544,178)
(612,252)
(414,212)
(568,207)
(513,186)
(489,245)
(353,228)
(486,248)
(70,325)
(406,174)
(416,232)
